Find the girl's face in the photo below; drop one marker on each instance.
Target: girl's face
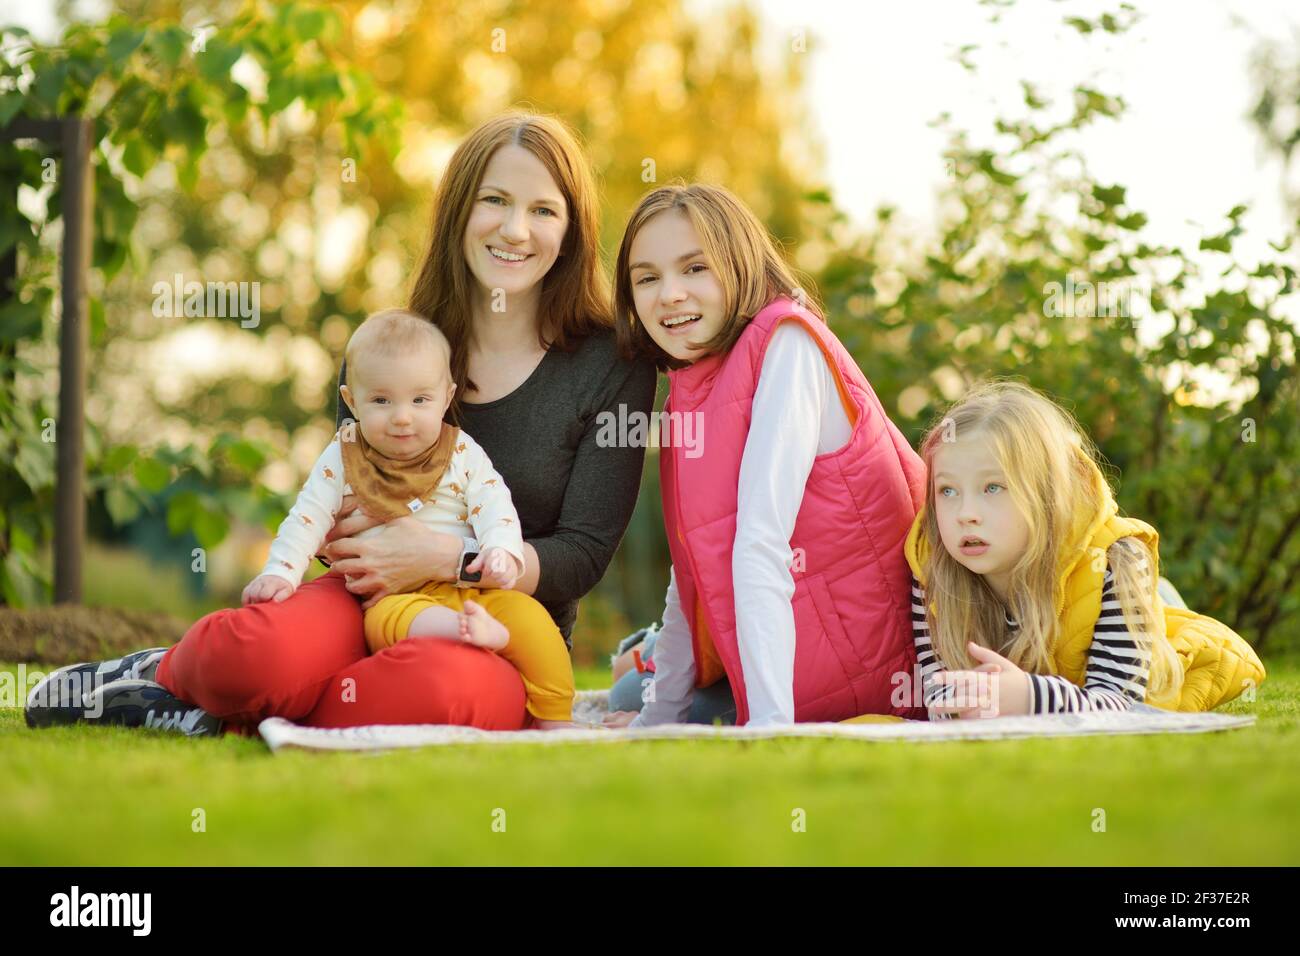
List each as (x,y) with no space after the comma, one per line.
(980,525)
(676,293)
(517,225)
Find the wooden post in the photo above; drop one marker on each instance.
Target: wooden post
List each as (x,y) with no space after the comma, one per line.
(74,138)
(70,497)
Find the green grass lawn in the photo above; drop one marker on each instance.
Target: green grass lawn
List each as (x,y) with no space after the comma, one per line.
(102,796)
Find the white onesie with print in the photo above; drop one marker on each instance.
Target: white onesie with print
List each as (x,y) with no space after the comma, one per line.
(471,502)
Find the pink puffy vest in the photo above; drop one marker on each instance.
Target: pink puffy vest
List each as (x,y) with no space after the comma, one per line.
(852,600)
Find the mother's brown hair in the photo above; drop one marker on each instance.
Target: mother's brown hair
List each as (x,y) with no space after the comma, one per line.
(575,292)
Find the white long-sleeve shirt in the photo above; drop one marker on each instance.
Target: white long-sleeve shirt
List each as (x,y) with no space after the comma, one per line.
(472,501)
(796,415)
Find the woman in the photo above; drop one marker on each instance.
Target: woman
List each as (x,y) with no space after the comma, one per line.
(513,279)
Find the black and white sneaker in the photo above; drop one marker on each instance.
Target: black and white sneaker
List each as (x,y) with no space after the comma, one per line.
(144,703)
(60,697)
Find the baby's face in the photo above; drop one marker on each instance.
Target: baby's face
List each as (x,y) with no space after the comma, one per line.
(400,400)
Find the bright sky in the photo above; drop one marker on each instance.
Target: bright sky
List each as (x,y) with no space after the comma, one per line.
(881,71)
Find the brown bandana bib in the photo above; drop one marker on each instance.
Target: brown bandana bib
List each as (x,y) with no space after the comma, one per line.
(385,486)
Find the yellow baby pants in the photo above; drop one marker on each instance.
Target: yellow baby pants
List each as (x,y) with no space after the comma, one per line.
(536,647)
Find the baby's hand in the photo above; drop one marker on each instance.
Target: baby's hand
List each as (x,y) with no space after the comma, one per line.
(500,568)
(266,587)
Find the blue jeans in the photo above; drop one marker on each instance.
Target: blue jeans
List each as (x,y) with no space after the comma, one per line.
(708,705)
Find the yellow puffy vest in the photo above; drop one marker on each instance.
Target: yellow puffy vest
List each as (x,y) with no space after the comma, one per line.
(1218,664)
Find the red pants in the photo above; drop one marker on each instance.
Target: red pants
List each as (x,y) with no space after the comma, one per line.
(305,659)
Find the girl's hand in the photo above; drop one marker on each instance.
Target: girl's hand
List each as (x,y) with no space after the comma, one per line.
(619,718)
(266,587)
(995,688)
(500,568)
(406,554)
(969,694)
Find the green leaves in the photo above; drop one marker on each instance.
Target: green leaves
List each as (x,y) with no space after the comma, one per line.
(123,42)
(138,156)
(217,59)
(10,103)
(47,88)
(180,512)
(168,44)
(20,320)
(1107,22)
(1109,195)
(308,24)
(182,121)
(118,459)
(246,456)
(152,474)
(199,489)
(122,506)
(155,94)
(1185,376)
(191,511)
(210,526)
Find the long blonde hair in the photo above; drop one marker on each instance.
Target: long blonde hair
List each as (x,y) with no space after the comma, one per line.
(740,251)
(1051,467)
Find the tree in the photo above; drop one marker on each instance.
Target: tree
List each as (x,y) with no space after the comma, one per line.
(157,94)
(1181,364)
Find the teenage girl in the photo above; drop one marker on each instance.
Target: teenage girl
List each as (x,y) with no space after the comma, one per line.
(787,514)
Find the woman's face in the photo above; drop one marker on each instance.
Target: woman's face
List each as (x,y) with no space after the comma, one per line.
(517,225)
(677,295)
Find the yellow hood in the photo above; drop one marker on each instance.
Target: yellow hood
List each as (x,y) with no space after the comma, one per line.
(1218,664)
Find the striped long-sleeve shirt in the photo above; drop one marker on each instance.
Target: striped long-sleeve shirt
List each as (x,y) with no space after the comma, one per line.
(1115,677)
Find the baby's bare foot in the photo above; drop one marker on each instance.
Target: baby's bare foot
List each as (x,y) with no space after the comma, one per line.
(479,627)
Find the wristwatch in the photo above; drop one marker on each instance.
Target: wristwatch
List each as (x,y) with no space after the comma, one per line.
(469,551)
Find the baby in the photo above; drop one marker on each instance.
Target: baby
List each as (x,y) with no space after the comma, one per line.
(401,458)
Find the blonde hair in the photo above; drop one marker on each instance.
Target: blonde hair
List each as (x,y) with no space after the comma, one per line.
(1050,467)
(395,332)
(740,251)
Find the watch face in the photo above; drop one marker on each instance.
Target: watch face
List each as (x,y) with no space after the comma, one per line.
(465,562)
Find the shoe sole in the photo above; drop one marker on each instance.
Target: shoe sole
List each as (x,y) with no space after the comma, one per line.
(59,699)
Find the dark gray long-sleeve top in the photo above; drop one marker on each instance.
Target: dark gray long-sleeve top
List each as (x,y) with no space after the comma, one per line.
(574,497)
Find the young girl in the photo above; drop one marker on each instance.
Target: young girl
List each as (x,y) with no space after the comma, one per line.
(787,513)
(1031,594)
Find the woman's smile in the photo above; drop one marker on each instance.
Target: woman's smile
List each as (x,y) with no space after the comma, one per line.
(507,258)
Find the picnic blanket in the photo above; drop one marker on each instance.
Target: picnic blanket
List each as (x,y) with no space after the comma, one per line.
(591,705)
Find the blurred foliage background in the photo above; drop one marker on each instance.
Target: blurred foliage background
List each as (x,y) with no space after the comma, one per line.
(298,146)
